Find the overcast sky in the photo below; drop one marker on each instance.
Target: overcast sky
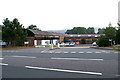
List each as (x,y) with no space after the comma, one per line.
(61,14)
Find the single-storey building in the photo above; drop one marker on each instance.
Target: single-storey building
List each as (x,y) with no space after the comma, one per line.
(37,37)
(89,38)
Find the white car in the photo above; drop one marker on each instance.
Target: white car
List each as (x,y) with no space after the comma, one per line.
(72,44)
(67,44)
(62,44)
(94,44)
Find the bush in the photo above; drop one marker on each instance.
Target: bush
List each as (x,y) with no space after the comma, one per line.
(103,41)
(83,41)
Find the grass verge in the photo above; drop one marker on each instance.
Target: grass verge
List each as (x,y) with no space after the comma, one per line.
(16,47)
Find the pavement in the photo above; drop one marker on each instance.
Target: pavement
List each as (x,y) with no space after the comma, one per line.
(59,63)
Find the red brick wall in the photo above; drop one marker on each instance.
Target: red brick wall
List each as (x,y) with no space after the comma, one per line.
(61,38)
(31,39)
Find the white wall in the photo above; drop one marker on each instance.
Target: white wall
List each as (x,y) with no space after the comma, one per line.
(35,42)
(54,42)
(43,42)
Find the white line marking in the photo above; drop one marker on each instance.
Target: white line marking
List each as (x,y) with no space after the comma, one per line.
(88,52)
(24,56)
(73,52)
(115,52)
(42,51)
(3,64)
(81,52)
(50,52)
(65,52)
(57,52)
(78,59)
(1,58)
(97,52)
(63,70)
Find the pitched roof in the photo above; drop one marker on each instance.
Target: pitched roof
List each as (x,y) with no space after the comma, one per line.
(45,33)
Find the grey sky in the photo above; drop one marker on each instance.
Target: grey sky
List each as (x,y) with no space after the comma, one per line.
(61,14)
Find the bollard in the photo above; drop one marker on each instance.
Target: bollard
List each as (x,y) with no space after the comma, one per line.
(58,45)
(51,47)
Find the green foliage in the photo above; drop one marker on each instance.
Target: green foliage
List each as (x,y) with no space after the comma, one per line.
(81,30)
(101,31)
(34,27)
(13,32)
(90,30)
(103,41)
(110,32)
(77,30)
(65,40)
(83,41)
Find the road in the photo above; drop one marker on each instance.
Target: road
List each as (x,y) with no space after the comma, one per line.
(59,63)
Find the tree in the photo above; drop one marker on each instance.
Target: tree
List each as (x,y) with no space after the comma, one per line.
(77,30)
(13,32)
(103,41)
(7,31)
(90,30)
(83,41)
(34,27)
(101,31)
(110,32)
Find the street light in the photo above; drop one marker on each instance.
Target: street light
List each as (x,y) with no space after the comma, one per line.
(110,41)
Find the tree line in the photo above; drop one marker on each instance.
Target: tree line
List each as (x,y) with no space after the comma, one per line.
(81,30)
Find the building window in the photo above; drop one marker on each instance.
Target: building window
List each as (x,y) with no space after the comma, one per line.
(38,42)
(30,41)
(78,40)
(88,40)
(70,40)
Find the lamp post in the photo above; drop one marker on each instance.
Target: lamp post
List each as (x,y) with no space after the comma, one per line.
(110,42)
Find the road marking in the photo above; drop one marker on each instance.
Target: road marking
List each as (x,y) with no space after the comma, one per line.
(65,52)
(106,52)
(97,52)
(115,52)
(1,58)
(3,64)
(50,51)
(77,59)
(81,52)
(117,75)
(73,52)
(44,50)
(57,52)
(24,56)
(88,52)
(63,70)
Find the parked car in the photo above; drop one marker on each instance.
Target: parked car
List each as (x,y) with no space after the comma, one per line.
(94,44)
(62,44)
(78,43)
(2,44)
(72,44)
(67,44)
